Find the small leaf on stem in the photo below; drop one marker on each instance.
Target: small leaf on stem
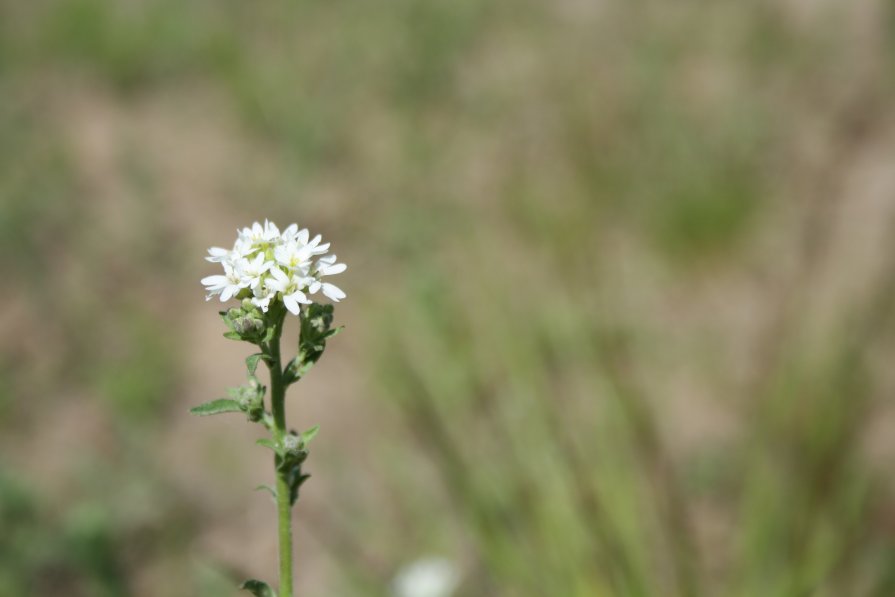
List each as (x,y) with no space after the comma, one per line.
(272,491)
(258,588)
(296,480)
(216,407)
(308,435)
(252,362)
(268,443)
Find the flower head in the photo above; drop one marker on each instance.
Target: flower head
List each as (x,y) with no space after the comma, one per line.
(265,266)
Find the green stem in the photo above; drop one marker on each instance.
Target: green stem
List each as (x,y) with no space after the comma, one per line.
(284,508)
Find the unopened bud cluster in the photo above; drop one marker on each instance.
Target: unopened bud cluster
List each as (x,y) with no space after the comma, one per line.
(246,322)
(294,448)
(250,398)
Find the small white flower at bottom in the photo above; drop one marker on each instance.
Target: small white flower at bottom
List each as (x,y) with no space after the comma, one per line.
(427,577)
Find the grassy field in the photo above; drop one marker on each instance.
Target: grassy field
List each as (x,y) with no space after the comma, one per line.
(621,288)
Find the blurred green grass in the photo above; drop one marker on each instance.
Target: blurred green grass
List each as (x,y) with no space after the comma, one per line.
(550,210)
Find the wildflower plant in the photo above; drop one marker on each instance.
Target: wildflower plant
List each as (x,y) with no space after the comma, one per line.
(273,275)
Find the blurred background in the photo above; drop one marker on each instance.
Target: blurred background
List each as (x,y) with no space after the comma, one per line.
(620,294)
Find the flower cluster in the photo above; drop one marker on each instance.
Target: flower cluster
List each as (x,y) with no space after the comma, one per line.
(268,265)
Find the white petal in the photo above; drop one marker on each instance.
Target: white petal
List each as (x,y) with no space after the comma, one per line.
(262,303)
(275,285)
(277,273)
(320,249)
(216,280)
(291,304)
(217,254)
(331,270)
(302,236)
(228,293)
(333,292)
(300,297)
(281,255)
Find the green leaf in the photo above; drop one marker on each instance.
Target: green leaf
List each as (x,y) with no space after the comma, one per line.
(258,588)
(316,328)
(334,332)
(268,443)
(317,319)
(232,335)
(252,362)
(268,488)
(296,480)
(308,435)
(226,319)
(216,407)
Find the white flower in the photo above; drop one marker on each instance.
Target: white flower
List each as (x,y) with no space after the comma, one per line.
(227,285)
(428,577)
(271,232)
(292,255)
(292,233)
(290,288)
(217,254)
(241,250)
(266,266)
(327,266)
(252,270)
(260,234)
(316,248)
(262,295)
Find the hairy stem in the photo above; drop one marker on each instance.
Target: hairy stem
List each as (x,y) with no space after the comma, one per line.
(284,508)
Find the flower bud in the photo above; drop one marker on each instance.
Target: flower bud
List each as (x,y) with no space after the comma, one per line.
(255,412)
(248,325)
(294,449)
(250,398)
